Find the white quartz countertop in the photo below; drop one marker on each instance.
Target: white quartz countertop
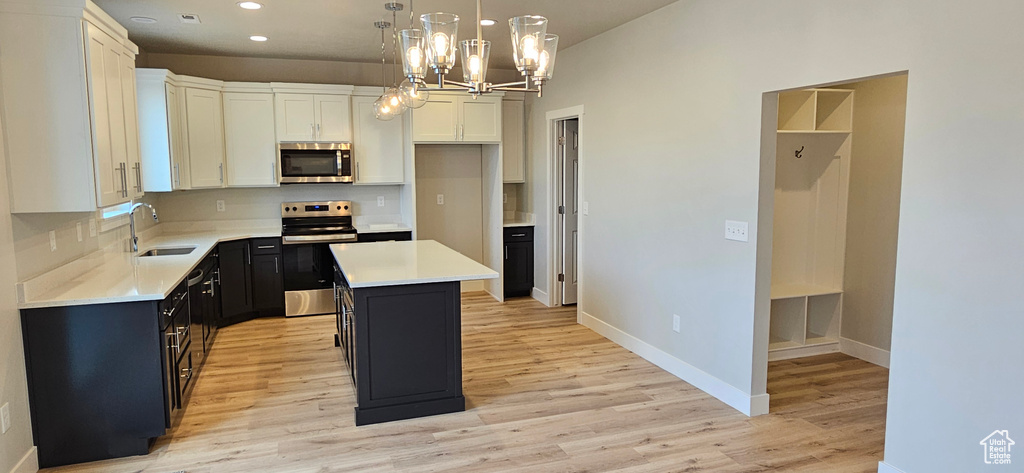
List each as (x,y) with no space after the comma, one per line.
(114,277)
(396,263)
(381,227)
(510,224)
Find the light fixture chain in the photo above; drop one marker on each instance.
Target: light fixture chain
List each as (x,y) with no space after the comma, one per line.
(394,47)
(383,59)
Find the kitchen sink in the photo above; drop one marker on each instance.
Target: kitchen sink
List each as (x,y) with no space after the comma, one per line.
(169,251)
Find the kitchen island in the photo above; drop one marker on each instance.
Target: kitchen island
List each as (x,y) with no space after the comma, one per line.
(399,325)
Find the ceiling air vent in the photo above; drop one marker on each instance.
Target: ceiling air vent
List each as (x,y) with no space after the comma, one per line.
(190,18)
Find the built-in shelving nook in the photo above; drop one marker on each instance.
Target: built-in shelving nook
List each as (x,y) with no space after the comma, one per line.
(812,178)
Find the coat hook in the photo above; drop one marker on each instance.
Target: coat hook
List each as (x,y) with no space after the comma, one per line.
(799,152)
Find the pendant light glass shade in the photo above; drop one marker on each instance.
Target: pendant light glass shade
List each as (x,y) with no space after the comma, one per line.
(414,58)
(474,60)
(394,100)
(439,38)
(412,95)
(546,60)
(528,34)
(382,110)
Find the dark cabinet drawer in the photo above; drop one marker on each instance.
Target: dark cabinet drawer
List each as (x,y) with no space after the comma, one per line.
(266,246)
(170,306)
(515,234)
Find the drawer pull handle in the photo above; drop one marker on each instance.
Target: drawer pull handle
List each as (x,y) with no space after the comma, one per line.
(186,373)
(265,247)
(514,235)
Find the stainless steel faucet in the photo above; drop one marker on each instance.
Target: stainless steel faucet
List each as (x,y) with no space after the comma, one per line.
(131,223)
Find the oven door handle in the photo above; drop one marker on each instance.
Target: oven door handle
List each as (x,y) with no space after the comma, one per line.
(339,238)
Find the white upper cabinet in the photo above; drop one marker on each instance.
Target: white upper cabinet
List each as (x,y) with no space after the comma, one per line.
(162,131)
(131,122)
(378,146)
(313,117)
(452,118)
(513,143)
(70,138)
(333,118)
(204,114)
(251,148)
(295,117)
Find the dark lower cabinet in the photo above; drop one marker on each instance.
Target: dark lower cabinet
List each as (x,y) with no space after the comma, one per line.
(268,286)
(104,379)
(235,282)
(518,267)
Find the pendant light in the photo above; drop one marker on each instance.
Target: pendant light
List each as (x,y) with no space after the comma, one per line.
(382,107)
(414,63)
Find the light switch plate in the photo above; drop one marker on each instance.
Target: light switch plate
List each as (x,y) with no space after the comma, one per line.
(586,208)
(220,206)
(736,231)
(380,201)
(5,418)
(53,240)
(92,228)
(675,323)
(440,199)
(78,227)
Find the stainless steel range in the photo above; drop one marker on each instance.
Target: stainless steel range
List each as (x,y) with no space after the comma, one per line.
(307,230)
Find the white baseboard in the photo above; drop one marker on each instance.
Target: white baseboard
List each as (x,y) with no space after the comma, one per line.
(884,467)
(803,351)
(737,399)
(865,352)
(541,296)
(28,464)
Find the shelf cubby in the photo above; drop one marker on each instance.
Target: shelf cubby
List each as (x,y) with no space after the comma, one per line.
(816,111)
(797,110)
(834,110)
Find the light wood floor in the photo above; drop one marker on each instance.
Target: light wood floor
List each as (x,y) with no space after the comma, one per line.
(544,394)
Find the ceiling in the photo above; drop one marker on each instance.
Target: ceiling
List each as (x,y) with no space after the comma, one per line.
(342,30)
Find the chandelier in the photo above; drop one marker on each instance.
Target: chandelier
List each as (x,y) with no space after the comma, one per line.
(435,46)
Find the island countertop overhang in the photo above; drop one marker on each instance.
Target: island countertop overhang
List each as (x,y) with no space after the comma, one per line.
(397,263)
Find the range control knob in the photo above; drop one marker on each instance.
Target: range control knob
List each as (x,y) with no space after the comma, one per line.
(346,207)
(296,209)
(286,209)
(339,207)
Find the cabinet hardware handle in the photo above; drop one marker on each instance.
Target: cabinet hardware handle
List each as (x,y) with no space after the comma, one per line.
(265,247)
(221,168)
(506,251)
(248,255)
(186,373)
(273,173)
(335,292)
(312,132)
(169,312)
(176,344)
(514,235)
(120,170)
(275,265)
(177,176)
(357,171)
(318,132)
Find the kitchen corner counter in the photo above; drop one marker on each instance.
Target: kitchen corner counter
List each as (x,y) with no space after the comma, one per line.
(511,224)
(108,277)
(397,263)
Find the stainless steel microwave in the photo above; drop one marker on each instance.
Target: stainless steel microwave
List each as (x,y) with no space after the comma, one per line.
(312,163)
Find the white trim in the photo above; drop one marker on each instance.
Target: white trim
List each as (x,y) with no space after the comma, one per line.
(541,296)
(803,351)
(554,253)
(737,399)
(28,464)
(884,467)
(864,351)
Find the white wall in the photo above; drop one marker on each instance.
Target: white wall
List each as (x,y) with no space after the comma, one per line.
(671,149)
(265,203)
(872,221)
(17,442)
(454,171)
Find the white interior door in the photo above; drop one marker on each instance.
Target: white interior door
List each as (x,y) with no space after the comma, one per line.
(568,146)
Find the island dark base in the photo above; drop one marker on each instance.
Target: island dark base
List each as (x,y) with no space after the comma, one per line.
(403,345)
(410,411)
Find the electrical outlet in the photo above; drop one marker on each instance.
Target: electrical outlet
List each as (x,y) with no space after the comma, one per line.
(220,206)
(504,198)
(5,418)
(586,208)
(440,199)
(736,231)
(675,323)
(92,228)
(78,227)
(53,240)
(380,201)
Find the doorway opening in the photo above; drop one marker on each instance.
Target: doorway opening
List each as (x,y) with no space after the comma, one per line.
(831,174)
(568,208)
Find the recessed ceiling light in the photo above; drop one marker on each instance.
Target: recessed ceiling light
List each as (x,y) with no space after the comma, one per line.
(250,5)
(487,22)
(258,38)
(143,19)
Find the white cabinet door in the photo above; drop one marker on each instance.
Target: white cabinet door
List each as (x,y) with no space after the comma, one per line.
(480,119)
(131,120)
(437,121)
(513,156)
(295,117)
(379,146)
(251,157)
(333,118)
(110,148)
(205,137)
